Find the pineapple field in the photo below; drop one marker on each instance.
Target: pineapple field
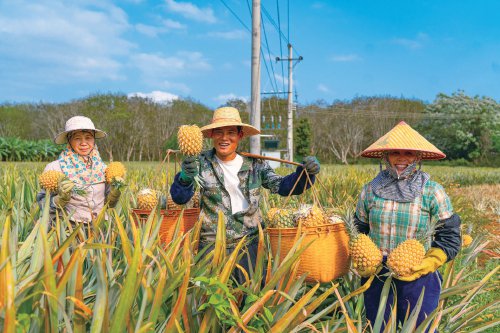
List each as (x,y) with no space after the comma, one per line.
(117,276)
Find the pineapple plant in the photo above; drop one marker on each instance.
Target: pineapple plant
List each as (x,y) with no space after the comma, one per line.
(190,140)
(49,180)
(147,199)
(365,255)
(280,218)
(115,174)
(310,216)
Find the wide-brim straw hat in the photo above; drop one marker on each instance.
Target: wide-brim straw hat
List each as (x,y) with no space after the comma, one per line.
(403,137)
(78,123)
(228,116)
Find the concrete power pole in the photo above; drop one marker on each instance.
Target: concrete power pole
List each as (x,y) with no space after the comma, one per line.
(289,137)
(255,94)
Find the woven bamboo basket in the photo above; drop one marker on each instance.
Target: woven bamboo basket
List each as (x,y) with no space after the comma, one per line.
(326,259)
(169,221)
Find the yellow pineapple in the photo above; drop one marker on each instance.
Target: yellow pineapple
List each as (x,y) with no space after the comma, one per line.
(310,216)
(147,199)
(280,218)
(171,204)
(406,255)
(365,255)
(466,240)
(190,140)
(115,173)
(49,180)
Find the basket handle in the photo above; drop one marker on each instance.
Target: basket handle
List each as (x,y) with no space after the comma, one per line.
(268,158)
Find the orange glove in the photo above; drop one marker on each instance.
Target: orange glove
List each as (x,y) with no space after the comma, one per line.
(434,258)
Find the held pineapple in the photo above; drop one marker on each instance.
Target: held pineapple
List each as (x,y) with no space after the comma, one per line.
(365,255)
(280,218)
(147,199)
(467,238)
(310,216)
(406,255)
(190,140)
(115,174)
(49,180)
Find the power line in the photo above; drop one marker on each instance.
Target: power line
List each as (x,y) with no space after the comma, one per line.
(236,15)
(281,47)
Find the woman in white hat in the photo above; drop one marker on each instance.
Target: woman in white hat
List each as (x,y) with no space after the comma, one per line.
(402,203)
(84,170)
(231,183)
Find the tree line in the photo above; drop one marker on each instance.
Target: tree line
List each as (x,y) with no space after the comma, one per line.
(140,129)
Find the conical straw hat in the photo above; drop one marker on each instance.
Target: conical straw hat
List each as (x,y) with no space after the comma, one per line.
(403,137)
(228,116)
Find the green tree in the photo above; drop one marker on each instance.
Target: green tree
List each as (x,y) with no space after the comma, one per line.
(462,126)
(302,137)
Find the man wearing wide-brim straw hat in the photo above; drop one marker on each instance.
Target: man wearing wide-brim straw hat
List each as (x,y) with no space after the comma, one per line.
(402,203)
(231,183)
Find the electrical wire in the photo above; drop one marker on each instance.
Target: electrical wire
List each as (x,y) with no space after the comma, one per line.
(236,15)
(281,47)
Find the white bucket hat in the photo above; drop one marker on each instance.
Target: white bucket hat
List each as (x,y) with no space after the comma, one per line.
(78,123)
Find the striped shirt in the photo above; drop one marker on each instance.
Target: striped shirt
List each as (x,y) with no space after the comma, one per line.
(392,222)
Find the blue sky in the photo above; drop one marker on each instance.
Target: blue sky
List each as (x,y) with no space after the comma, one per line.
(57,51)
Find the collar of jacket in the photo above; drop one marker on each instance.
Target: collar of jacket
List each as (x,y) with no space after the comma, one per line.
(247,161)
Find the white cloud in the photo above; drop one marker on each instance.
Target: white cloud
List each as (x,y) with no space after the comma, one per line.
(191,11)
(64,40)
(223,98)
(171,24)
(156,95)
(155,65)
(235,34)
(345,58)
(414,43)
(281,79)
(323,88)
(176,86)
(153,31)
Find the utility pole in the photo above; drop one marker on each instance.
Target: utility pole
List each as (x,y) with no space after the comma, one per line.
(290,100)
(255,94)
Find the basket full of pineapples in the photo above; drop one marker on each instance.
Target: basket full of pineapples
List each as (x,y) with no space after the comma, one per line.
(148,201)
(327,256)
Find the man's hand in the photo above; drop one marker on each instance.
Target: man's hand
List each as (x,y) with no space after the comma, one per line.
(311,164)
(189,170)
(64,190)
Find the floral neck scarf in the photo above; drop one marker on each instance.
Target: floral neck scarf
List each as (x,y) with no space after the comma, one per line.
(81,172)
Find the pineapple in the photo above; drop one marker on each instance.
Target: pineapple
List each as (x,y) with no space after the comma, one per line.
(147,199)
(310,216)
(280,218)
(190,140)
(49,180)
(115,174)
(406,255)
(467,238)
(171,205)
(365,255)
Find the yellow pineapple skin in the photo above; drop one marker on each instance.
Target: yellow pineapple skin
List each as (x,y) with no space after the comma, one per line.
(190,139)
(49,180)
(466,240)
(115,170)
(147,199)
(280,218)
(405,256)
(365,255)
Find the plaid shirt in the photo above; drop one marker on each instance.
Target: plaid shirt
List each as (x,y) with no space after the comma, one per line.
(393,222)
(253,174)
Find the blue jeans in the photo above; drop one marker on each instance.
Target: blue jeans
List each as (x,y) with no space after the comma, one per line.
(407,294)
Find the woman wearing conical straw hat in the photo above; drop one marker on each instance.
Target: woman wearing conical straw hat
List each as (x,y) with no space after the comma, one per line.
(82,192)
(401,203)
(232,183)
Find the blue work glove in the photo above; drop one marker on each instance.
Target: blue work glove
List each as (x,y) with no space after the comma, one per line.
(189,170)
(311,164)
